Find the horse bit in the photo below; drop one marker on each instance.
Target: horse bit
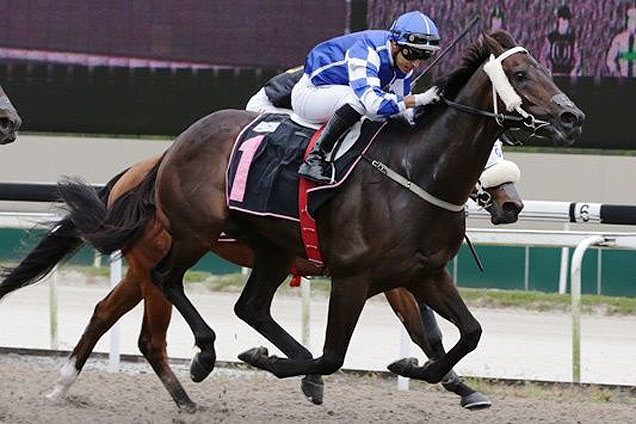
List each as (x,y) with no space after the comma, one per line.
(500,86)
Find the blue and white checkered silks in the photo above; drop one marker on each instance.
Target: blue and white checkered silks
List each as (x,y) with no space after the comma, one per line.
(363,61)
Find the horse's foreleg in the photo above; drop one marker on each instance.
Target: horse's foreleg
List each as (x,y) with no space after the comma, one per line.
(345,305)
(470,398)
(168,276)
(422,327)
(152,343)
(271,267)
(119,301)
(441,294)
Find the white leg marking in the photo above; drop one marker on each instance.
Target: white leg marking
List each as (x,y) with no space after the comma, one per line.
(68,375)
(195,351)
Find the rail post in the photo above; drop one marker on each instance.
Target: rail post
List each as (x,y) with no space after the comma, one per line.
(53,309)
(575,280)
(305,293)
(115,277)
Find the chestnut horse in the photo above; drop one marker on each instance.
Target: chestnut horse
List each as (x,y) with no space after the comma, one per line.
(10,121)
(375,235)
(136,285)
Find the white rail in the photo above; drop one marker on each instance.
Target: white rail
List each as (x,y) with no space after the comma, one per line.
(580,240)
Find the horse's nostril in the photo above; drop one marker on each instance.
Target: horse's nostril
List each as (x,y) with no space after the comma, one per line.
(5,124)
(569,119)
(512,207)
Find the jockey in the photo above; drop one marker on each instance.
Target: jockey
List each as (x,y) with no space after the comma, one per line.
(275,97)
(363,73)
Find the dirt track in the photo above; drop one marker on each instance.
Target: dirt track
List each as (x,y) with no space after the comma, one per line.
(135,395)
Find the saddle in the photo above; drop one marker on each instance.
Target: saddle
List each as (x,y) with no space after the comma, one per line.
(262,176)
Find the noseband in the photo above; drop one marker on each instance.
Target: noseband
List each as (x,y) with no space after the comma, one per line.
(501,87)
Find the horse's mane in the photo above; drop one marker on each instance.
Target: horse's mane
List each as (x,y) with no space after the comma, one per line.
(452,83)
(471,60)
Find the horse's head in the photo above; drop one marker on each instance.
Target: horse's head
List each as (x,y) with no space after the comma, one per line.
(9,119)
(526,87)
(502,200)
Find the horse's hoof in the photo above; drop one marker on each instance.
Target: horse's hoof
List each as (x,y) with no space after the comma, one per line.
(403,366)
(202,365)
(254,356)
(475,401)
(189,408)
(313,388)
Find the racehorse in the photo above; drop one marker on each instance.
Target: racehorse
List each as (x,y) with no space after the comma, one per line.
(63,240)
(10,121)
(375,235)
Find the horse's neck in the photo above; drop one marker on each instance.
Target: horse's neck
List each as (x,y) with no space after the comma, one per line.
(447,157)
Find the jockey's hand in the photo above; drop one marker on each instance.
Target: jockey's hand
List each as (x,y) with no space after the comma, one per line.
(429,96)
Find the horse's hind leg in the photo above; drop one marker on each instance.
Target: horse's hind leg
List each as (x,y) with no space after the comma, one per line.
(168,276)
(422,327)
(441,294)
(152,343)
(119,301)
(271,267)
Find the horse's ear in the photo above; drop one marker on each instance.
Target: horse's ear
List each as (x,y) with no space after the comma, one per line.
(491,44)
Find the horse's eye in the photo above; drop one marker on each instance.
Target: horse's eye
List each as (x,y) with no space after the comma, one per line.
(521,75)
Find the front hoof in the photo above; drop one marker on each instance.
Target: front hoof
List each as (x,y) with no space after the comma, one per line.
(189,408)
(202,365)
(254,356)
(403,367)
(313,387)
(475,401)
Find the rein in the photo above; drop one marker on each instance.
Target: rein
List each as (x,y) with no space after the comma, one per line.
(500,86)
(474,111)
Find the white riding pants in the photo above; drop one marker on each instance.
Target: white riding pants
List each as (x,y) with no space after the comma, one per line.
(260,103)
(316,104)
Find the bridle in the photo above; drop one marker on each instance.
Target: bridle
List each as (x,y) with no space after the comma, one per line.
(502,88)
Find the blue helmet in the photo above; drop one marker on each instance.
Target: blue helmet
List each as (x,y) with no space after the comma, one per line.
(416,30)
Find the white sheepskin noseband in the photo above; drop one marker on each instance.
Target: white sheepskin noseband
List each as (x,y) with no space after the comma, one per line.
(502,172)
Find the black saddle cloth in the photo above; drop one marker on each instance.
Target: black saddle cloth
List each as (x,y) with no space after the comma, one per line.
(262,176)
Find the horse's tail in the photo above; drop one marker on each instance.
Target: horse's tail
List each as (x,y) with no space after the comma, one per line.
(115,228)
(59,243)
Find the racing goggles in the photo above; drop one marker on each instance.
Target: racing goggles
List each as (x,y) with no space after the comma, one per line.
(411,53)
(419,46)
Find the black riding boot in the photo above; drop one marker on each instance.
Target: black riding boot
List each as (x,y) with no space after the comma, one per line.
(316,168)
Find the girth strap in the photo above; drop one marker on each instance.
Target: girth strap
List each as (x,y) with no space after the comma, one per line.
(411,186)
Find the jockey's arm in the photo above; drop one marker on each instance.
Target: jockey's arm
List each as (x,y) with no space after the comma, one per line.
(544,55)
(610,60)
(577,60)
(363,66)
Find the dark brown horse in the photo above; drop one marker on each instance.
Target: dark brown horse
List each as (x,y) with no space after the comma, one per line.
(135,286)
(10,121)
(375,235)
